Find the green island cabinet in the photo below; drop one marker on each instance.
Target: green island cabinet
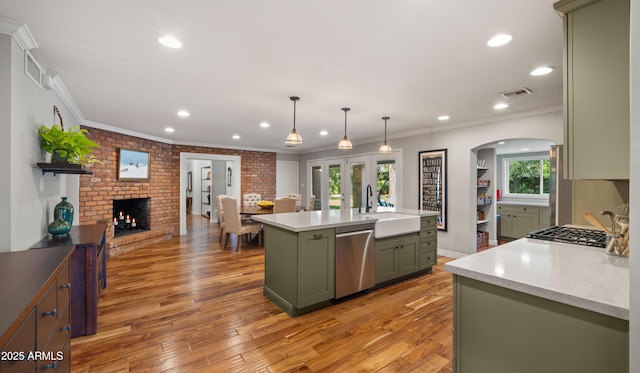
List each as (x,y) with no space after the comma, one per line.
(596,87)
(407,254)
(299,268)
(500,330)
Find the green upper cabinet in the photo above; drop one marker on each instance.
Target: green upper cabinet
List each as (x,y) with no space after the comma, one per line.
(596,88)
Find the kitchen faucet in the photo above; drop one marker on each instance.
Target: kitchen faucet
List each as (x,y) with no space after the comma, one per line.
(369,194)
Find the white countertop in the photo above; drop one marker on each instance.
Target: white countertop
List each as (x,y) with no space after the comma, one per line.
(311,220)
(523,203)
(580,276)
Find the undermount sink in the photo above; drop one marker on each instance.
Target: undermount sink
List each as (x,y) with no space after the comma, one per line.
(393,224)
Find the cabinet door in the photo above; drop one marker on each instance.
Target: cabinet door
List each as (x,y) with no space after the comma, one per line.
(407,256)
(316,253)
(597,91)
(525,223)
(386,259)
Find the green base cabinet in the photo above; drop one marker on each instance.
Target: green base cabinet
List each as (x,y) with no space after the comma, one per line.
(396,257)
(299,269)
(499,330)
(428,242)
(518,221)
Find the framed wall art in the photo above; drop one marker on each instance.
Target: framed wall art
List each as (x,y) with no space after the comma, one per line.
(433,184)
(133,165)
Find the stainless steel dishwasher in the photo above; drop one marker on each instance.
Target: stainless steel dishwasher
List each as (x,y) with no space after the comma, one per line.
(355,259)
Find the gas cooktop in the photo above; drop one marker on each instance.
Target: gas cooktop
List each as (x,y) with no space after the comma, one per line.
(579,236)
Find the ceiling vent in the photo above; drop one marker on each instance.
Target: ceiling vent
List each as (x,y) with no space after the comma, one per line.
(516,92)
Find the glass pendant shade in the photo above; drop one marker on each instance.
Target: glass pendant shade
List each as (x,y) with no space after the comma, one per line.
(385,148)
(345,143)
(294,137)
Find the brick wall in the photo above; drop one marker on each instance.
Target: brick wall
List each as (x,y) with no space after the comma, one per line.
(97,191)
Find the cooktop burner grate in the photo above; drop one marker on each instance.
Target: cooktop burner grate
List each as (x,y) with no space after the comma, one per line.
(580,236)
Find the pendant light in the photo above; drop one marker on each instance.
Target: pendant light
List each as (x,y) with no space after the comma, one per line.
(345,144)
(294,138)
(385,148)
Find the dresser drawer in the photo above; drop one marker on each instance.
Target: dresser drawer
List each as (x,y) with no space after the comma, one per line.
(21,342)
(55,353)
(64,286)
(428,259)
(47,315)
(428,245)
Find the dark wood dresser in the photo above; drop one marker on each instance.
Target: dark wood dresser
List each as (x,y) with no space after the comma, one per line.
(34,316)
(88,273)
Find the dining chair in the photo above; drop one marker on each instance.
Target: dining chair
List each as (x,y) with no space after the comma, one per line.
(251,199)
(311,203)
(233,223)
(298,198)
(219,198)
(284,204)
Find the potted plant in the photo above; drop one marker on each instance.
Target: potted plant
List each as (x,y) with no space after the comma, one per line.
(68,146)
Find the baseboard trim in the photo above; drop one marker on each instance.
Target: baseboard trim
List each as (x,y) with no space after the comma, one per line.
(451,254)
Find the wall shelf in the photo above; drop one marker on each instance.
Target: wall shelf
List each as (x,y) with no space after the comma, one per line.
(63,168)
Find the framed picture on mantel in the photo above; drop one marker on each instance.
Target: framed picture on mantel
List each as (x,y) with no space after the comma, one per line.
(133,165)
(433,184)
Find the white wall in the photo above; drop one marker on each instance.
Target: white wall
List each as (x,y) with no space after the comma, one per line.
(461,166)
(30,207)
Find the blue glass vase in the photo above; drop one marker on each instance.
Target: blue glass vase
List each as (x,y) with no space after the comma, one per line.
(64,210)
(59,228)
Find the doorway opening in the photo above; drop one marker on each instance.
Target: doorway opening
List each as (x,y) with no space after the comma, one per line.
(211,175)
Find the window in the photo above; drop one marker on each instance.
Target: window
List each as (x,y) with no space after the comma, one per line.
(526,176)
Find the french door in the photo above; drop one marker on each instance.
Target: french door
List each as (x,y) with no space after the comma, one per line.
(351,182)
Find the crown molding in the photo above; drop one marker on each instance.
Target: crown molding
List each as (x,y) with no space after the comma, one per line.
(18,31)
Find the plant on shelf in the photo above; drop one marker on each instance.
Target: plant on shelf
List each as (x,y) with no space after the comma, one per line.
(68,146)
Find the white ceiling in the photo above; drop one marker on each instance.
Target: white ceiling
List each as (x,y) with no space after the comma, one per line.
(412,60)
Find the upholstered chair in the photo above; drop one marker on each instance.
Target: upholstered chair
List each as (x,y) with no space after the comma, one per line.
(251,199)
(284,204)
(233,223)
(298,198)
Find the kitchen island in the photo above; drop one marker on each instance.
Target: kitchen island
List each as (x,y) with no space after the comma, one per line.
(539,306)
(300,254)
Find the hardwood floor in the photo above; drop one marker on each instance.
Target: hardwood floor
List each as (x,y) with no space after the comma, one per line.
(187,305)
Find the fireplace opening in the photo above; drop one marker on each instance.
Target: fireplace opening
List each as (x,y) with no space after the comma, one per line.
(131,216)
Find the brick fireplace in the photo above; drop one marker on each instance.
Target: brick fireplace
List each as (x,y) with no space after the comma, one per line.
(98,191)
(131,215)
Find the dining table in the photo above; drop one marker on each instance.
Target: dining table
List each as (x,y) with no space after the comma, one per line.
(255,210)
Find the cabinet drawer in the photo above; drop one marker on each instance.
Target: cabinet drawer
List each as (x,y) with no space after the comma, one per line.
(21,342)
(428,222)
(47,315)
(428,258)
(428,245)
(429,234)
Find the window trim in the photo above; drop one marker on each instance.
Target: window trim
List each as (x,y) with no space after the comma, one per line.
(505,177)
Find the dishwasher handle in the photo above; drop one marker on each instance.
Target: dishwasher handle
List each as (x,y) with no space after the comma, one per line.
(368,231)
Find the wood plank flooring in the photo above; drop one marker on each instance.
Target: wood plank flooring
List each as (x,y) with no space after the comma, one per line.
(188,305)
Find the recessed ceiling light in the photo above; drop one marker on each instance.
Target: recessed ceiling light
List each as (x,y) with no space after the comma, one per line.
(236,137)
(443,117)
(500,106)
(264,125)
(169,129)
(170,41)
(541,71)
(499,40)
(501,142)
(183,113)
(525,149)
(324,133)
